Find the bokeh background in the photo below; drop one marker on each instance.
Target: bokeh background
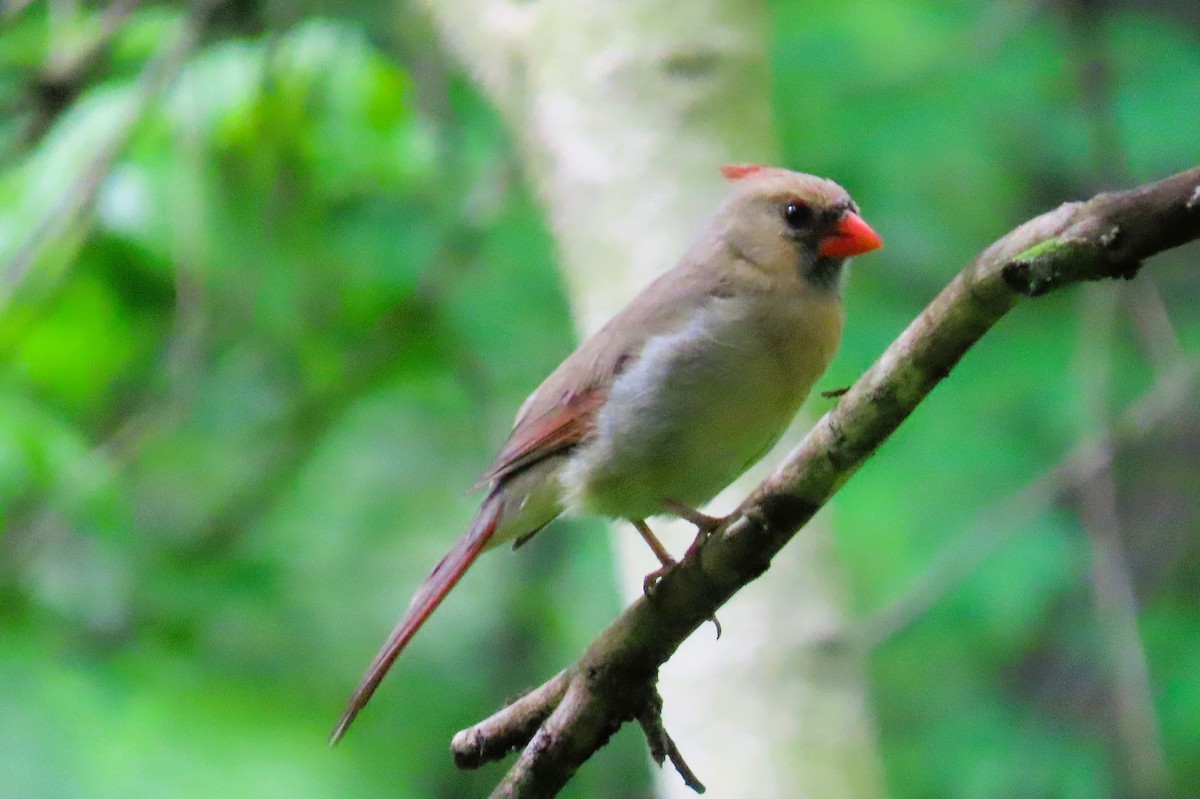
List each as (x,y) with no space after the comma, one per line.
(272,284)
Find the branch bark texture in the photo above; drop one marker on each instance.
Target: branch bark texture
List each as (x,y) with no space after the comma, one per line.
(1105,237)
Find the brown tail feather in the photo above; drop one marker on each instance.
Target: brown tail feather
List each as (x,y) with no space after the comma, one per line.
(431,593)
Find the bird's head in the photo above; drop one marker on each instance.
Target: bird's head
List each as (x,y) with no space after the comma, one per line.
(787,221)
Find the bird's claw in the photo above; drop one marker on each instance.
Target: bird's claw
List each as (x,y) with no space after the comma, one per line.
(650,585)
(651,580)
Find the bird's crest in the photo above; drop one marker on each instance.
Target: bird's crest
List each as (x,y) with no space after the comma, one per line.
(739,171)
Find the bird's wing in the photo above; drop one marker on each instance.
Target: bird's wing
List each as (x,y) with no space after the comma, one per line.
(538,437)
(562,411)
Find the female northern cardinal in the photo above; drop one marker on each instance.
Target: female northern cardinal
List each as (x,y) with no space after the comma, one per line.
(677,394)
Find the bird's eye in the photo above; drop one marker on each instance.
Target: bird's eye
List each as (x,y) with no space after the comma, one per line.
(797,215)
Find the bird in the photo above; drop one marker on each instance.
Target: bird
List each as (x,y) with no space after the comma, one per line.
(677,394)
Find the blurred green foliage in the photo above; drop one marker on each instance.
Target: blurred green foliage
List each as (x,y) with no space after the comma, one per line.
(242,395)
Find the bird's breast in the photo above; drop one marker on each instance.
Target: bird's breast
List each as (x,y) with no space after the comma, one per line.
(701,403)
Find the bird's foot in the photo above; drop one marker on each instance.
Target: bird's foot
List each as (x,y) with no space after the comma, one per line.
(660,552)
(651,580)
(706,525)
(669,564)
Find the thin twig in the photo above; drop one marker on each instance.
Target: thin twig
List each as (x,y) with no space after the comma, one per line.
(1004,520)
(1148,312)
(1115,607)
(79,198)
(1113,600)
(66,71)
(159,411)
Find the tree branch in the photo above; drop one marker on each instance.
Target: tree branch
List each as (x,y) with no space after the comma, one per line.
(1105,237)
(67,70)
(1003,520)
(78,199)
(489,37)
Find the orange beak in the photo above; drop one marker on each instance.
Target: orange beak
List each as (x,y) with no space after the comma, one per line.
(852,236)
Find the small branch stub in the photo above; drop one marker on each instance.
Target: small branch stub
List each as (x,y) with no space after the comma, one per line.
(662,747)
(511,728)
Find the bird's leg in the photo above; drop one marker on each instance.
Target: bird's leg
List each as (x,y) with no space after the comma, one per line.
(664,557)
(660,552)
(705,525)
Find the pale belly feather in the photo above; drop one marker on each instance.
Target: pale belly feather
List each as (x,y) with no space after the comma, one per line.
(696,409)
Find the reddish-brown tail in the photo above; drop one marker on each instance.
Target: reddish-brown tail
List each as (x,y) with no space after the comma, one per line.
(431,593)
